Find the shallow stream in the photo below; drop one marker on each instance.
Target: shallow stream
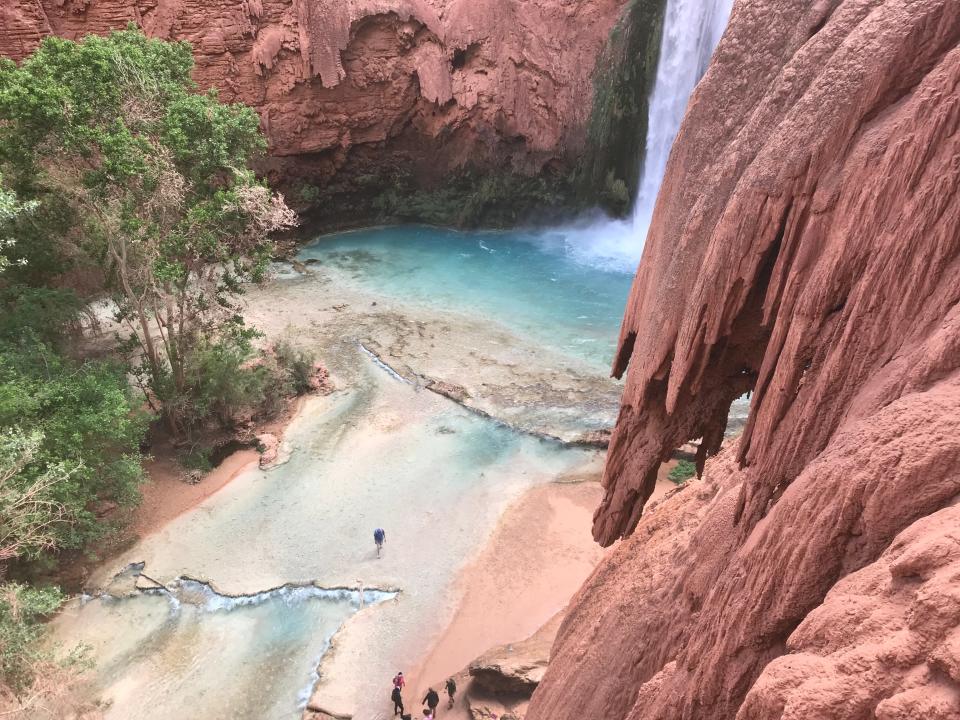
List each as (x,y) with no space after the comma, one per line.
(381,452)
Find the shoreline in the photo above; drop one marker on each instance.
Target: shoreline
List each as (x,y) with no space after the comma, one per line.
(537,558)
(166,496)
(361,458)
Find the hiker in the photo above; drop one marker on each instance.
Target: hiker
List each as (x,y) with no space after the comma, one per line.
(379,537)
(398,681)
(451,691)
(397,701)
(432,700)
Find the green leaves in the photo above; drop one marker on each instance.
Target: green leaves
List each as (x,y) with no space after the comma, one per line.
(22,611)
(87,426)
(210,140)
(146,182)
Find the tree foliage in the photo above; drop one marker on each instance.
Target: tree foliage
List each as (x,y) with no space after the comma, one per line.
(22,609)
(155,178)
(82,446)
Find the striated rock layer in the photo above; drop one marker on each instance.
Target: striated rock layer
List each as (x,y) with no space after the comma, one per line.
(376,86)
(805,245)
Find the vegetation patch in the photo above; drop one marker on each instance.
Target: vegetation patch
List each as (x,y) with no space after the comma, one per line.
(683,471)
(467,198)
(609,172)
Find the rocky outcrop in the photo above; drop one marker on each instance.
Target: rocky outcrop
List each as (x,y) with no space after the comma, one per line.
(514,670)
(376,92)
(498,685)
(805,246)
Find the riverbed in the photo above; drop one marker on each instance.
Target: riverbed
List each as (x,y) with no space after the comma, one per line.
(468,369)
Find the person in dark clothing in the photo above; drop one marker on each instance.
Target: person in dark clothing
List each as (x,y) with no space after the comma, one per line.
(432,700)
(451,691)
(379,537)
(397,701)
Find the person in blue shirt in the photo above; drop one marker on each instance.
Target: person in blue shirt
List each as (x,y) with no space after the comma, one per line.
(379,537)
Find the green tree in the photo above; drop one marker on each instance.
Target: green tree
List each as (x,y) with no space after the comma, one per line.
(84,437)
(22,610)
(682,471)
(10,210)
(29,512)
(156,180)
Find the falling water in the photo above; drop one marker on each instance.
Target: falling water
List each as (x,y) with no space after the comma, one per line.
(691,31)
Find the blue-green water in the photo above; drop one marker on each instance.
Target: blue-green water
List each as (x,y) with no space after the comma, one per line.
(544,285)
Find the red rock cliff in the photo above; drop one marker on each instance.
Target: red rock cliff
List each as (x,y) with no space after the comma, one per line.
(805,245)
(422,84)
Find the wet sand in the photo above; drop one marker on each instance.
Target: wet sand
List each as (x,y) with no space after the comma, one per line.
(540,554)
(166,495)
(535,561)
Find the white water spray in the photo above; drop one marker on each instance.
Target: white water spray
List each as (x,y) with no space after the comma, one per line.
(691,31)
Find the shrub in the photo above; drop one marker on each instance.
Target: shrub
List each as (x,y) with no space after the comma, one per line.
(683,471)
(87,427)
(296,365)
(223,378)
(22,611)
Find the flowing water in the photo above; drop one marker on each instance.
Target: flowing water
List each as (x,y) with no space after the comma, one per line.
(173,653)
(379,453)
(691,31)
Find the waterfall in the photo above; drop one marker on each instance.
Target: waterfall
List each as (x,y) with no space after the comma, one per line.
(691,31)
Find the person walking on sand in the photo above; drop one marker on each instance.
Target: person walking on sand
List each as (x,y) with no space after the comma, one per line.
(379,537)
(451,691)
(432,700)
(397,698)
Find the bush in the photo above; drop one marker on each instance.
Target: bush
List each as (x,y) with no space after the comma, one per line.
(683,471)
(296,366)
(22,611)
(224,378)
(228,382)
(86,421)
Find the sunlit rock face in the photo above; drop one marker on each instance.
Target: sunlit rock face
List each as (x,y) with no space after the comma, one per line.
(420,86)
(805,245)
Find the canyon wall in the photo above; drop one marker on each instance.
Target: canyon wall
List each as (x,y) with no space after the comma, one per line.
(371,95)
(805,246)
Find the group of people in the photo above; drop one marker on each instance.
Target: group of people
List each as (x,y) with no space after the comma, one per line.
(431,699)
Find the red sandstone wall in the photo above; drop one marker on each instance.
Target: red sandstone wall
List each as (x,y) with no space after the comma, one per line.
(806,244)
(423,83)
